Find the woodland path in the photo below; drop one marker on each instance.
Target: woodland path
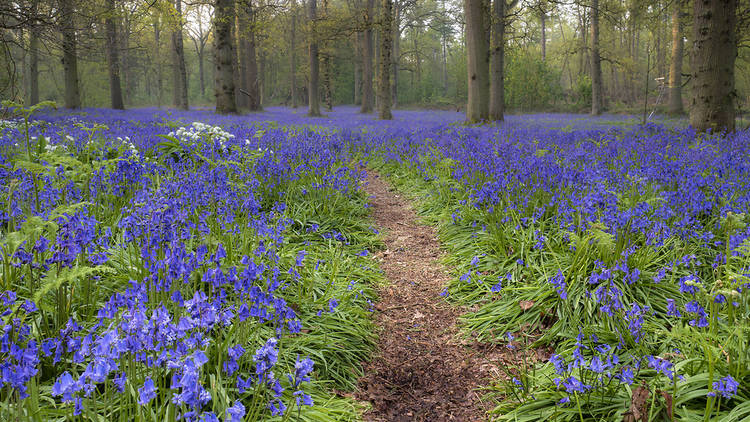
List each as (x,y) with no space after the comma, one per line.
(423,370)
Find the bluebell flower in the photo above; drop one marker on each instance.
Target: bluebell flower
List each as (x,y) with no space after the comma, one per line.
(277,407)
(236,412)
(559,282)
(726,386)
(332,304)
(147,392)
(672,309)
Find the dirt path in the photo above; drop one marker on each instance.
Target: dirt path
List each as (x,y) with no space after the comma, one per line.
(423,370)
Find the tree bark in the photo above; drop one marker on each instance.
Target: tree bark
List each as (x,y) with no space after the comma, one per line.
(714,54)
(240,59)
(367,56)
(596,64)
(477,61)
(396,52)
(327,70)
(293,56)
(179,79)
(157,61)
(113,61)
(262,82)
(313,96)
(201,69)
(497,85)
(34,58)
(358,68)
(386,43)
(249,61)
(223,57)
(69,59)
(543,21)
(124,60)
(675,68)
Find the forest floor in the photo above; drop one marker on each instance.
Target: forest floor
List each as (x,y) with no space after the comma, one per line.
(423,370)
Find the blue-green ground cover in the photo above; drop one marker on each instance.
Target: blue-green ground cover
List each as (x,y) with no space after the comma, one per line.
(164,265)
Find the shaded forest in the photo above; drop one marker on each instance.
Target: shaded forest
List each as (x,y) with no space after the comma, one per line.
(484,57)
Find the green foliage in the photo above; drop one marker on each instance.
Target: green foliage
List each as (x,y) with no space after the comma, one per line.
(582,92)
(530,82)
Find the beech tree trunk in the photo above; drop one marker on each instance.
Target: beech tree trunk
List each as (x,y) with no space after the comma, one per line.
(395,53)
(477,61)
(313,96)
(201,69)
(714,53)
(675,68)
(596,63)
(367,56)
(249,62)
(386,43)
(179,74)
(497,83)
(69,59)
(262,82)
(239,60)
(223,57)
(293,56)
(113,61)
(358,68)
(543,21)
(34,58)
(124,60)
(157,61)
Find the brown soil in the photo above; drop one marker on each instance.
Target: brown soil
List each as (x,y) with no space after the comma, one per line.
(424,370)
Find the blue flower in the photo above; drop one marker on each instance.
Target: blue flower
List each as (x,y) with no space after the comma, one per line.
(236,412)
(147,392)
(332,304)
(559,282)
(726,386)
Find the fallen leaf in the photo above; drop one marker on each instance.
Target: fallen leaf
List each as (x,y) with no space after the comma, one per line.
(638,410)
(526,304)
(668,401)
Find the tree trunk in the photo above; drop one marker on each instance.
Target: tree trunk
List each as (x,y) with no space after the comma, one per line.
(262,83)
(714,54)
(326,59)
(223,57)
(240,59)
(543,21)
(313,99)
(113,61)
(69,60)
(477,62)
(384,87)
(444,53)
(395,53)
(327,84)
(358,68)
(34,58)
(497,85)
(157,61)
(179,79)
(250,62)
(293,56)
(124,60)
(675,68)
(418,65)
(201,71)
(367,56)
(376,55)
(596,64)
